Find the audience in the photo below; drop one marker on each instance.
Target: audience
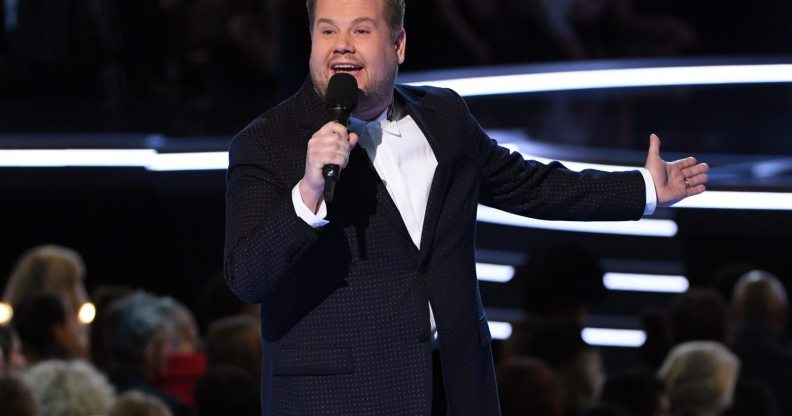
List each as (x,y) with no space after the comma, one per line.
(70,388)
(700,377)
(46,328)
(760,309)
(135,403)
(12,360)
(140,341)
(236,341)
(227,390)
(16,398)
(638,391)
(528,387)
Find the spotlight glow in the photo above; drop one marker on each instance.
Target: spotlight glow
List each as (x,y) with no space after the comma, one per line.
(500,330)
(87,313)
(6,313)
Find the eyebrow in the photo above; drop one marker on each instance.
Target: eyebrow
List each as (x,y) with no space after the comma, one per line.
(354,21)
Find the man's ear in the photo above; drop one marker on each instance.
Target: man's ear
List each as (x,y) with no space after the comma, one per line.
(400,42)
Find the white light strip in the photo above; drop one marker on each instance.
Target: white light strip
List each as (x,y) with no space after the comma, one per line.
(500,330)
(616,78)
(189,161)
(603,337)
(643,227)
(144,158)
(494,272)
(739,200)
(646,282)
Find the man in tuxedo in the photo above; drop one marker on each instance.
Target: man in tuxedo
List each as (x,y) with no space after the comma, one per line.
(370,304)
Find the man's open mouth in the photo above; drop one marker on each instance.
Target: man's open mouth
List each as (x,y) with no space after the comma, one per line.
(349,68)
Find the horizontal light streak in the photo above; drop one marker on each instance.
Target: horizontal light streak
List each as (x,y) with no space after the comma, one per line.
(646,282)
(739,200)
(644,227)
(494,272)
(144,158)
(605,337)
(616,78)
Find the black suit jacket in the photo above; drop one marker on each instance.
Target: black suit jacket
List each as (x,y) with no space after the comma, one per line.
(345,319)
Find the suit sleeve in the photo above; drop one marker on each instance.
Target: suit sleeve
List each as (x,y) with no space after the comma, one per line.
(264,236)
(551,191)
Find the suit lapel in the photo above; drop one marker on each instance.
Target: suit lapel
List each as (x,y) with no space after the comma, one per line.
(425,116)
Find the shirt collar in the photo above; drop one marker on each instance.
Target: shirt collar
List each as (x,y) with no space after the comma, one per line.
(391,127)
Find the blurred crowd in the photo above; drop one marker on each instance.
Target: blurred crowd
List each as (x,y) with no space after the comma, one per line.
(722,350)
(206,67)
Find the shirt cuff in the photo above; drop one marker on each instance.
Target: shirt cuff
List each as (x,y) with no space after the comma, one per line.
(314,220)
(651,192)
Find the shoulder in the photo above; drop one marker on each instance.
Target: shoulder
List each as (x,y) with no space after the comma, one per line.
(427,93)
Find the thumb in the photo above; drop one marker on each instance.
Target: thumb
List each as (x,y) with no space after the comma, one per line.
(353,139)
(654,145)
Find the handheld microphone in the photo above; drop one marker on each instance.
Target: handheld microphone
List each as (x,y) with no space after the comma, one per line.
(340,100)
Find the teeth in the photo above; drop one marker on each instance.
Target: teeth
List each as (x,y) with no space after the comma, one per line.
(345,67)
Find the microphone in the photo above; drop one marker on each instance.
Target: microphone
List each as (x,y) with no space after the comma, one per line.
(340,101)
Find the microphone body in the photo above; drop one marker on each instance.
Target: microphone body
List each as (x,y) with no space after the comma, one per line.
(340,101)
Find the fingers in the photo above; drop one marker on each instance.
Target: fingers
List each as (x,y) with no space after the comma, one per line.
(330,145)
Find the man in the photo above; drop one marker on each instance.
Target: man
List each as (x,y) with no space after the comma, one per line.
(345,288)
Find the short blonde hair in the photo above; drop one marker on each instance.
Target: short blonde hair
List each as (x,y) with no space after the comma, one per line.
(700,377)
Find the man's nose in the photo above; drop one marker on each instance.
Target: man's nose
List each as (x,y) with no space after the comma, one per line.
(344,43)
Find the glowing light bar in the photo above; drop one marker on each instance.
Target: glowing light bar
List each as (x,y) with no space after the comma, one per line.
(189,161)
(643,227)
(603,337)
(6,313)
(646,283)
(739,200)
(145,158)
(494,272)
(616,78)
(500,330)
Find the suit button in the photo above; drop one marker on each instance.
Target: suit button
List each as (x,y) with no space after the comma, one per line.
(423,336)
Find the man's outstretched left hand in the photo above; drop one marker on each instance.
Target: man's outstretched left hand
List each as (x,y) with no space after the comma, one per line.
(677,180)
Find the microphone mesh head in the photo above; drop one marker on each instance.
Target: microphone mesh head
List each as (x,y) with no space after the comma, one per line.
(342,92)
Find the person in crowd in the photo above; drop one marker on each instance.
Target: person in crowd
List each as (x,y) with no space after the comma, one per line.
(235,340)
(637,390)
(358,290)
(47,330)
(140,342)
(16,398)
(187,363)
(12,359)
(699,314)
(135,403)
(55,269)
(528,387)
(228,390)
(103,296)
(761,308)
(70,388)
(700,377)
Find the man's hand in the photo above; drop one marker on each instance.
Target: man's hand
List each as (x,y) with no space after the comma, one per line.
(674,181)
(330,145)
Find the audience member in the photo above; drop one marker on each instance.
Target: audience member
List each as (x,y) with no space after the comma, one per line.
(139,341)
(46,329)
(700,377)
(103,296)
(528,387)
(186,364)
(51,268)
(12,360)
(16,398)
(699,315)
(70,388)
(227,390)
(637,390)
(760,308)
(219,302)
(135,403)
(236,341)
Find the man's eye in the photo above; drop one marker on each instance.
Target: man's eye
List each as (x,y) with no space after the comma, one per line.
(327,31)
(362,31)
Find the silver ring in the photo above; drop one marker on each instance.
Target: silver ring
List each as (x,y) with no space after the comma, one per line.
(687,183)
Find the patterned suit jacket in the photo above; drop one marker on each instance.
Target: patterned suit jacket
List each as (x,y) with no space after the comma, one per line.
(344,313)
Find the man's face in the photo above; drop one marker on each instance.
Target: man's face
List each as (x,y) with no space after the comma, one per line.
(353,36)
